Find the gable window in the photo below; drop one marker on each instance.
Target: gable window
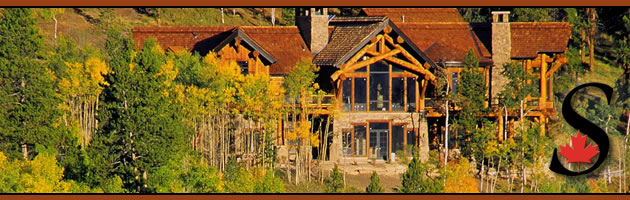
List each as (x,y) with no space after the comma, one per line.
(379,87)
(244,65)
(360,96)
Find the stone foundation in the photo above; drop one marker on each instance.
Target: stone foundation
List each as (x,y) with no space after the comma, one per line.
(410,120)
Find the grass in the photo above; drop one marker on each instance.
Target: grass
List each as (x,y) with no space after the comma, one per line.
(603,73)
(76,26)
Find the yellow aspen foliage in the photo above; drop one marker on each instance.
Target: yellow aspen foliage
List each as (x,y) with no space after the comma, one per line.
(96,69)
(81,84)
(459,179)
(492,148)
(302,133)
(40,175)
(169,73)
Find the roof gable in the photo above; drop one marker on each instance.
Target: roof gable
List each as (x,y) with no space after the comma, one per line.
(240,33)
(285,43)
(353,33)
(282,46)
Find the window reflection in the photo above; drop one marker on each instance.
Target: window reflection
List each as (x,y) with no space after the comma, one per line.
(360,97)
(347,94)
(359,140)
(411,94)
(398,94)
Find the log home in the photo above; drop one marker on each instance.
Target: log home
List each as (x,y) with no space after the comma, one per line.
(379,68)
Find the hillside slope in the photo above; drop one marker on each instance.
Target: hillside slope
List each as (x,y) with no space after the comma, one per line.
(89,25)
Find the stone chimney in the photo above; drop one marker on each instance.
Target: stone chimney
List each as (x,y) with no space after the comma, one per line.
(501,51)
(313,25)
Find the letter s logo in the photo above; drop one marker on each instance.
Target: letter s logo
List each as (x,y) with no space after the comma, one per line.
(591,130)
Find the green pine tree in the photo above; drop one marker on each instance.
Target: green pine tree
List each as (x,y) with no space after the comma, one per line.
(375,184)
(416,179)
(334,183)
(28,101)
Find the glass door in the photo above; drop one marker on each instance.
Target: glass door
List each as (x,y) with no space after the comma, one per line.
(379,141)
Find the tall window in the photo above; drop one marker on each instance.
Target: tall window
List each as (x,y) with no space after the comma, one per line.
(347,94)
(360,96)
(398,94)
(379,87)
(347,142)
(244,67)
(411,94)
(398,138)
(360,140)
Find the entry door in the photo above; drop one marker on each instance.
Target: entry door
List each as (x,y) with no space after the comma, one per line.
(379,144)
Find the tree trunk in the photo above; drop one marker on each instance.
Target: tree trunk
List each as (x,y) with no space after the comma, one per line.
(592,16)
(583,47)
(481,174)
(55,33)
(25,151)
(222,17)
(273,16)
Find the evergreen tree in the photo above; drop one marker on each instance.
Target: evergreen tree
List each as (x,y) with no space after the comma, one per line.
(417,180)
(28,101)
(375,184)
(142,130)
(334,183)
(471,100)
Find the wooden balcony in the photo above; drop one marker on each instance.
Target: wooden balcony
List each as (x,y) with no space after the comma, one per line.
(320,104)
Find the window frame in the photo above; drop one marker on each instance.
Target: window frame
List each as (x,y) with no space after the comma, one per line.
(405,74)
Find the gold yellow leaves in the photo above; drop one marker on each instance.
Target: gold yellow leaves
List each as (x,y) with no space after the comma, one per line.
(302,134)
(84,79)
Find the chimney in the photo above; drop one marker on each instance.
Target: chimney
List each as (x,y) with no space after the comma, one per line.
(313,25)
(501,51)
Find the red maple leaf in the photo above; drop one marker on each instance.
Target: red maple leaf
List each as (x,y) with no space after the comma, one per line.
(578,153)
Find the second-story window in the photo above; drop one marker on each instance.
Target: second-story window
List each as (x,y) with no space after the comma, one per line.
(244,65)
(379,87)
(346,96)
(387,87)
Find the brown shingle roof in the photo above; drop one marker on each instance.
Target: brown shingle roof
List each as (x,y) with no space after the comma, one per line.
(201,39)
(530,38)
(285,44)
(448,41)
(413,15)
(345,37)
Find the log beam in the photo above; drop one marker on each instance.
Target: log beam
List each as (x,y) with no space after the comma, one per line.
(364,63)
(418,69)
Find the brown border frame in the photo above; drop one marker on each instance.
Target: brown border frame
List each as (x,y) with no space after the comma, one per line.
(287,3)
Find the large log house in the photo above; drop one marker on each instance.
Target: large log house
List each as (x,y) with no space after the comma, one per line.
(379,68)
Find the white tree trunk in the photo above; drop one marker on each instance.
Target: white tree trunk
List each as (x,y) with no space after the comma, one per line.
(222,17)
(55,33)
(273,16)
